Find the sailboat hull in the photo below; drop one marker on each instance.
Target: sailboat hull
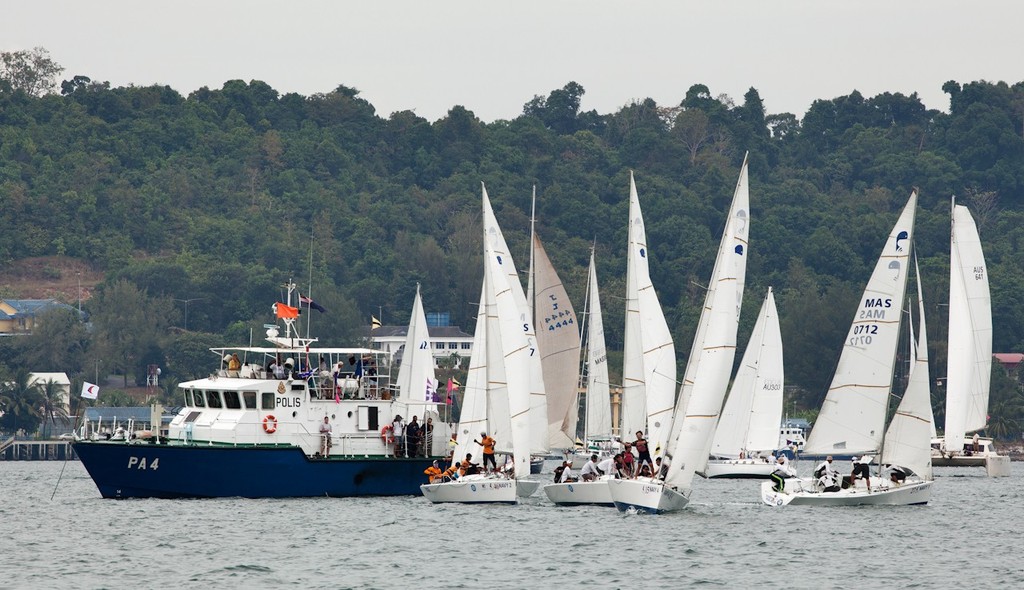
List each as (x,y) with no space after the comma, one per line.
(646,495)
(472,490)
(977,458)
(580,493)
(526,488)
(801,492)
(737,469)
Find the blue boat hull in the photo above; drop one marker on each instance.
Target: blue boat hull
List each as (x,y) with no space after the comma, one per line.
(194,471)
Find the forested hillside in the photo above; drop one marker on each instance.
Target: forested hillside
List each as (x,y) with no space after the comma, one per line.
(219,197)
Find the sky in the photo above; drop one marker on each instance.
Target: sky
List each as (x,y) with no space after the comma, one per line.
(492,57)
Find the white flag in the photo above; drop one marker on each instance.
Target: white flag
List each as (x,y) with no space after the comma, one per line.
(90,391)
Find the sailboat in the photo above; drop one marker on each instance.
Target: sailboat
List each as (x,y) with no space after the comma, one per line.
(497,398)
(598,415)
(707,373)
(538,413)
(853,415)
(649,355)
(558,343)
(748,430)
(969,367)
(417,382)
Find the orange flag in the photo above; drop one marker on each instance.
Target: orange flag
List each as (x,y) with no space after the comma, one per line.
(285,311)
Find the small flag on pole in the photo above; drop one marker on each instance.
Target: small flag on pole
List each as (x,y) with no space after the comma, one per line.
(374,323)
(308,302)
(431,389)
(90,391)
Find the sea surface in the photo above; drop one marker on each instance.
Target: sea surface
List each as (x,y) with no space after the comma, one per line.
(969,536)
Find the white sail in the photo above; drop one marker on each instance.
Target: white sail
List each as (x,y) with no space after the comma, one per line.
(473,418)
(968,371)
(558,339)
(753,411)
(417,368)
(599,410)
(649,363)
(715,347)
(852,417)
(538,400)
(509,411)
(907,440)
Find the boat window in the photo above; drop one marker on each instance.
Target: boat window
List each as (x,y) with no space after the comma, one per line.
(199,401)
(192,417)
(231,400)
(213,399)
(268,400)
(249,397)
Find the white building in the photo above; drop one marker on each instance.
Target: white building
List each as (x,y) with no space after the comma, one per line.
(60,380)
(445,341)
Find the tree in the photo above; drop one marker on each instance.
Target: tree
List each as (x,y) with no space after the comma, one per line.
(52,409)
(20,402)
(57,343)
(127,323)
(30,71)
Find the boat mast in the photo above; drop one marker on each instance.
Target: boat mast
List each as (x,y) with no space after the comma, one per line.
(585,354)
(529,277)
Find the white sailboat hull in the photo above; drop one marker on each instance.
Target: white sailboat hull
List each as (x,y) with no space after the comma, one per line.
(473,490)
(802,492)
(647,495)
(977,458)
(526,488)
(580,493)
(738,469)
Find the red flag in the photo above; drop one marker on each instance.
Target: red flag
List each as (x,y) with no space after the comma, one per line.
(285,311)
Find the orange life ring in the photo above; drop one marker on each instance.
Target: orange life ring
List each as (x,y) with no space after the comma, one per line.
(270,424)
(387,434)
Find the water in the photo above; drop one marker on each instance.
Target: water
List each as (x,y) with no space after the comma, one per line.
(726,538)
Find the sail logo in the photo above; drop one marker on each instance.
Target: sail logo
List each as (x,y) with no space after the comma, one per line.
(903,235)
(979,273)
(139,463)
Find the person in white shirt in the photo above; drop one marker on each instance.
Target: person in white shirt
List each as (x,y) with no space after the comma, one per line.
(398,431)
(590,471)
(827,475)
(325,436)
(563,473)
(609,467)
(782,471)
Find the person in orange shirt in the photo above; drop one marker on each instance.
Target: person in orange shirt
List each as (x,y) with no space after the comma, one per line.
(433,473)
(488,444)
(468,467)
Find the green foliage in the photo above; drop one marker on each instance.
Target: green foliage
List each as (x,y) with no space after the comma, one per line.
(204,205)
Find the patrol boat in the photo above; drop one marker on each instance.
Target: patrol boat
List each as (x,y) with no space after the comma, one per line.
(252,428)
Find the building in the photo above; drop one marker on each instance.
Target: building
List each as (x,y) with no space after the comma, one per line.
(445,342)
(18,316)
(60,379)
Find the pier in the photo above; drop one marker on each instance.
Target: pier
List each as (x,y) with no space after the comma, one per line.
(36,450)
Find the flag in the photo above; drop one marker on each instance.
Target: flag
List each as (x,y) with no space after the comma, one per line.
(285,311)
(308,302)
(374,323)
(453,386)
(431,389)
(90,391)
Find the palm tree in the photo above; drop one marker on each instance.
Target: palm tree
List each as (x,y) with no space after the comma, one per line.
(53,407)
(20,402)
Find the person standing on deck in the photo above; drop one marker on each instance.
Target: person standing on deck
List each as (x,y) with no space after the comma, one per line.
(643,450)
(488,444)
(325,437)
(782,471)
(398,431)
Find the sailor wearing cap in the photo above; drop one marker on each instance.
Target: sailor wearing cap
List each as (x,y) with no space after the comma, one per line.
(488,444)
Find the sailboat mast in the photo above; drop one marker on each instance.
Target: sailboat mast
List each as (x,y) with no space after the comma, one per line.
(585,351)
(529,277)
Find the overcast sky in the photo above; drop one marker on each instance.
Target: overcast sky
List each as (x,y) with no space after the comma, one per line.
(494,56)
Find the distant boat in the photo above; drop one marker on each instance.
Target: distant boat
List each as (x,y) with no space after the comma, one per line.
(969,364)
(249,432)
(598,414)
(852,418)
(707,373)
(748,429)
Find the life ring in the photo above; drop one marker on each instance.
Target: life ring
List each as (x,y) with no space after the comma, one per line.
(270,424)
(387,433)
